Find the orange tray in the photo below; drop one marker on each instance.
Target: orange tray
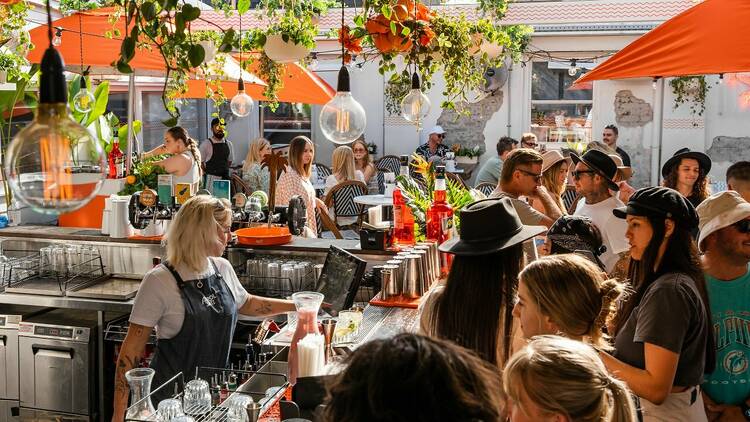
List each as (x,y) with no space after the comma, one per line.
(396,302)
(263,236)
(138,237)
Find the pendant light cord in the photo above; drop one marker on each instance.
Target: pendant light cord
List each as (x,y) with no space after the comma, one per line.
(49,23)
(343,57)
(80,33)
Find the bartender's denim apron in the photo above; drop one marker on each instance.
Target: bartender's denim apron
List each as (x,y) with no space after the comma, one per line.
(206,333)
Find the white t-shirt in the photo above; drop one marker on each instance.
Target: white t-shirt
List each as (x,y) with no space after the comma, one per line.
(158,302)
(612,228)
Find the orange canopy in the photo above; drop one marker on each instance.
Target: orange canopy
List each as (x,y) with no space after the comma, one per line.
(709,38)
(98,51)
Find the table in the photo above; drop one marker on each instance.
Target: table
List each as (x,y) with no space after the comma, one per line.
(373,200)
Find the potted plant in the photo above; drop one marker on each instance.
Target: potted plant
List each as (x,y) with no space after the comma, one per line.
(290,39)
(466,155)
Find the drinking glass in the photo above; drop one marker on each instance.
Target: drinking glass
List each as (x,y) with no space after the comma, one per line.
(237,408)
(72,259)
(45,259)
(197,399)
(168,409)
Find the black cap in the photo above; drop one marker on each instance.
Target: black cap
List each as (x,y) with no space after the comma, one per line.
(660,202)
(215,121)
(52,86)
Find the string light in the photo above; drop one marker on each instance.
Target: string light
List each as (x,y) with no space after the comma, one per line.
(57,40)
(721,78)
(573,70)
(313,63)
(654,82)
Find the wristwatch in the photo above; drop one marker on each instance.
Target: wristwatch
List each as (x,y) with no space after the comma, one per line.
(745,410)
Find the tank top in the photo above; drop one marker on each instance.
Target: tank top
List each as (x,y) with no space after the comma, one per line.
(192,176)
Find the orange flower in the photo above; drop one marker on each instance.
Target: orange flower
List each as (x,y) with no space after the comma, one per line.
(378,25)
(9,2)
(427,36)
(350,43)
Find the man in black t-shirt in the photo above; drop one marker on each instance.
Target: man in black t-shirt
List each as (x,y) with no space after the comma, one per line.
(609,137)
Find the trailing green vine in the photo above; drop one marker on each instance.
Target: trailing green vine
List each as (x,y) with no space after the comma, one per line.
(691,90)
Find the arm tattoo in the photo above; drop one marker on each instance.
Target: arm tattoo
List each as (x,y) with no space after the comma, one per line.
(262,308)
(124,364)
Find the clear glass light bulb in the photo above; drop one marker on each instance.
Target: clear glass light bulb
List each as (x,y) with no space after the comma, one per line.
(342,120)
(242,104)
(54,165)
(572,70)
(83,101)
(415,106)
(653,83)
(57,40)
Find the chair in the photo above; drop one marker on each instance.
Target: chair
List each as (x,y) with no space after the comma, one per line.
(341,198)
(389,163)
(381,181)
(456,178)
(323,170)
(486,188)
(238,185)
(324,223)
(570,199)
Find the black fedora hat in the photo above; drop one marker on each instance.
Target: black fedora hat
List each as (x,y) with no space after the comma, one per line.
(703,159)
(601,163)
(488,226)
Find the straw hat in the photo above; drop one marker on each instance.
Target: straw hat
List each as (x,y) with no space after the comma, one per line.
(550,158)
(624,172)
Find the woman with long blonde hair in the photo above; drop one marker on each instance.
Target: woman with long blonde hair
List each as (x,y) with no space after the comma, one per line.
(554,178)
(343,168)
(566,295)
(253,173)
(363,162)
(295,180)
(192,299)
(563,380)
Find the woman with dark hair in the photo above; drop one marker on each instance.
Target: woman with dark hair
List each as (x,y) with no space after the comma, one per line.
(687,173)
(184,158)
(663,335)
(474,307)
(295,180)
(412,378)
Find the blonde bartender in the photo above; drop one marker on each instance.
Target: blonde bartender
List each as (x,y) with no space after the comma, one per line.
(184,158)
(192,301)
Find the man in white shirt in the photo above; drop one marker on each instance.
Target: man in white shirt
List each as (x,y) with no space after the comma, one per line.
(594,177)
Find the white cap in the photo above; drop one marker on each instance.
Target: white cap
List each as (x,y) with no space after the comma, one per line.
(437,129)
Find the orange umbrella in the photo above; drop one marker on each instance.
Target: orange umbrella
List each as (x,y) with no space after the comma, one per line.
(300,85)
(709,38)
(98,51)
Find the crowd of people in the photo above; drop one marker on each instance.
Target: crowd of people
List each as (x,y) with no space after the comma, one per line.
(621,305)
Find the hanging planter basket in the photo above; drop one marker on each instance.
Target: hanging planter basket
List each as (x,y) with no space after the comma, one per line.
(282,51)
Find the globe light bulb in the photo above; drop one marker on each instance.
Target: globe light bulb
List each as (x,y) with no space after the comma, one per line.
(57,40)
(313,63)
(54,165)
(84,100)
(573,69)
(342,120)
(242,104)
(415,106)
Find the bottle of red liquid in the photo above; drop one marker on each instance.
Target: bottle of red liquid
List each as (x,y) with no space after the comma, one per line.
(403,220)
(116,161)
(440,218)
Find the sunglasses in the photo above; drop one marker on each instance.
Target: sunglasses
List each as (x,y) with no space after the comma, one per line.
(537,177)
(577,173)
(528,145)
(742,226)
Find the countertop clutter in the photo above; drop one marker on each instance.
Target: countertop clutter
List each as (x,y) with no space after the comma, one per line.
(101,306)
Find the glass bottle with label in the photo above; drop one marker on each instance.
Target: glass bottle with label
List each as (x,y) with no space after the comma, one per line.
(116,161)
(440,217)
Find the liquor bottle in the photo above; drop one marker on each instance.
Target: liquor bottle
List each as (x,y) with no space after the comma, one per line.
(215,390)
(232,380)
(440,217)
(403,220)
(116,161)
(224,392)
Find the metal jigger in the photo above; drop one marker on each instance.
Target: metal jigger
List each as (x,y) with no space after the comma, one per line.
(253,411)
(329,326)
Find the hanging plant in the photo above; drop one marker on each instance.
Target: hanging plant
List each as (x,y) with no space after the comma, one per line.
(13,34)
(290,39)
(691,90)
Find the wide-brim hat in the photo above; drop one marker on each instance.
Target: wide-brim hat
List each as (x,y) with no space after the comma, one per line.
(624,171)
(658,201)
(550,158)
(600,163)
(703,160)
(719,211)
(488,226)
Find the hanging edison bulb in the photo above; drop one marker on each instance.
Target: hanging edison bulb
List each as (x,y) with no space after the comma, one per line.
(54,165)
(415,106)
(84,100)
(342,120)
(573,69)
(242,104)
